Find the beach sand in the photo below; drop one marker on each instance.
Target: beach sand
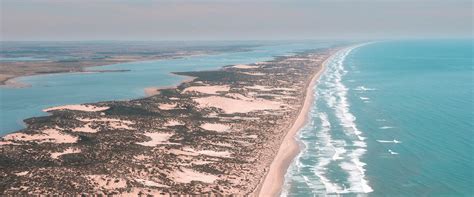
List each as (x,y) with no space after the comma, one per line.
(273,182)
(231,106)
(244,66)
(207,89)
(87,108)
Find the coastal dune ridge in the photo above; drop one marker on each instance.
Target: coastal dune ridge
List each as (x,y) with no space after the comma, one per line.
(216,134)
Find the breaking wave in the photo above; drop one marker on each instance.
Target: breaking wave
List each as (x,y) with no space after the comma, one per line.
(389,141)
(363,89)
(331,140)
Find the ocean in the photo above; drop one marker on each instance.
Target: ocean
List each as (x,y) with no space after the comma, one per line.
(391,118)
(17,104)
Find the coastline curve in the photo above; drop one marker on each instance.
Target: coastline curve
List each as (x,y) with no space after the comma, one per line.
(273,182)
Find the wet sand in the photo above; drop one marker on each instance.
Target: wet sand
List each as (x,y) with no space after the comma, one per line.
(273,182)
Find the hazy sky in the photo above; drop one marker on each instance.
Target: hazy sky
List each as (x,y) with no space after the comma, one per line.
(233,19)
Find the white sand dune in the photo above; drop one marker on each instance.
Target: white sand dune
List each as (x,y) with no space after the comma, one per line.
(85,128)
(150,183)
(109,183)
(167,106)
(110,122)
(186,175)
(56,155)
(47,135)
(254,73)
(243,66)
(230,106)
(215,127)
(105,120)
(207,89)
(238,96)
(156,139)
(88,108)
(173,123)
(212,153)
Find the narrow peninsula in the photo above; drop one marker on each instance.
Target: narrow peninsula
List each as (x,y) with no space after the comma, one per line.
(216,134)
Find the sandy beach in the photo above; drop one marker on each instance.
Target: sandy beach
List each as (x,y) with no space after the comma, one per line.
(273,182)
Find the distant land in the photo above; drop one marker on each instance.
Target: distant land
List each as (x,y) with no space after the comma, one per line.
(33,58)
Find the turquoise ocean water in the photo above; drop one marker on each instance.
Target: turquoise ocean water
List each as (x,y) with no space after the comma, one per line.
(17,104)
(390,118)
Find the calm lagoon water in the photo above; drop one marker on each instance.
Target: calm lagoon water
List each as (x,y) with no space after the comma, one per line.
(391,119)
(17,104)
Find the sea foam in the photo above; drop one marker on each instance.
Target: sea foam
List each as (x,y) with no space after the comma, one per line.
(389,141)
(363,89)
(352,162)
(324,151)
(392,152)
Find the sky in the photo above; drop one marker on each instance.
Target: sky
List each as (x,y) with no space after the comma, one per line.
(233,19)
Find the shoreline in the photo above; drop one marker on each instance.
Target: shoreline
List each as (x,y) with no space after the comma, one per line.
(272,184)
(154,90)
(148,91)
(13,82)
(10,82)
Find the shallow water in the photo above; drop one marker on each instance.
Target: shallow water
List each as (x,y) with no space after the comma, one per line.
(391,118)
(49,90)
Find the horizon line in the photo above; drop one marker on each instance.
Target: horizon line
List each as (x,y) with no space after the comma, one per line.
(244,40)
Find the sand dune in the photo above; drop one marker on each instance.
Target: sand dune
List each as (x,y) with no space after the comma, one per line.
(215,127)
(243,66)
(88,108)
(47,135)
(156,139)
(150,183)
(56,155)
(167,106)
(207,89)
(86,129)
(230,106)
(103,181)
(173,123)
(186,175)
